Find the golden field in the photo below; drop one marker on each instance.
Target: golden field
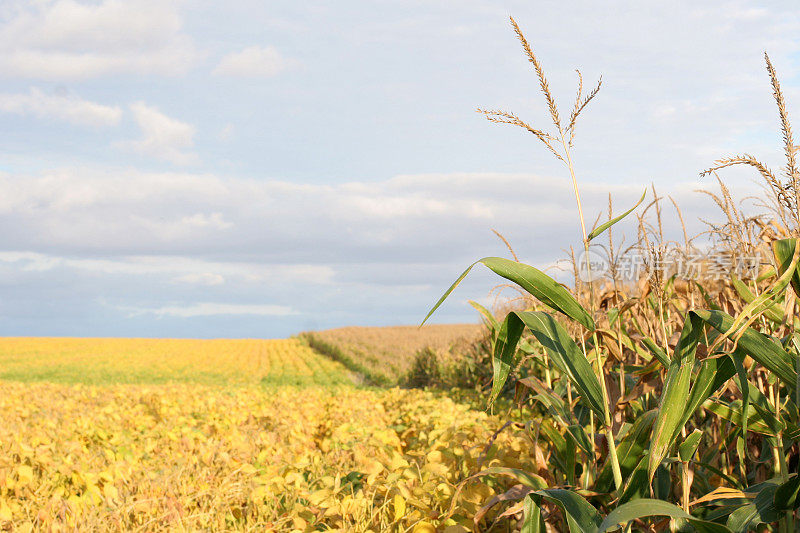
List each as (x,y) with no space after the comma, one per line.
(180,455)
(218,361)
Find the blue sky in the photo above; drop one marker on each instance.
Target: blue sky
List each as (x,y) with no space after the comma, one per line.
(253,169)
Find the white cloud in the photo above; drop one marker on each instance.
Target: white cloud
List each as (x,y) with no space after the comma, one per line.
(61,107)
(431,216)
(202,220)
(163,137)
(254,61)
(201,278)
(211,309)
(175,268)
(299,247)
(66,39)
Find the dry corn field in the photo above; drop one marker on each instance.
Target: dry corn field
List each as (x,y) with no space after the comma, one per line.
(387,353)
(177,450)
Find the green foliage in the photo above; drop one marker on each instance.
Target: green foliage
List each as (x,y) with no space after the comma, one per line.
(534,281)
(605,225)
(697,433)
(426,370)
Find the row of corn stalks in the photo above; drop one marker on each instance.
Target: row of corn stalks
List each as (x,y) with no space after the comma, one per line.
(671,405)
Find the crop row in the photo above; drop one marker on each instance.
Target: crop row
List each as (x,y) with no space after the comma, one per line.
(189,456)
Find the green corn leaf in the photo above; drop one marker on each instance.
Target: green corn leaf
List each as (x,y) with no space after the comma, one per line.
(691,334)
(662,482)
(646,507)
(505,348)
(630,451)
(534,281)
(581,516)
(657,351)
(570,457)
(766,299)
(579,435)
(688,447)
(783,250)
(769,273)
(534,523)
(558,445)
(733,413)
(786,495)
(760,511)
(763,349)
(744,386)
(605,225)
(773,313)
(529,480)
(563,448)
(716,471)
(566,356)
(491,321)
(637,484)
(556,405)
(714,373)
(710,302)
(763,407)
(676,391)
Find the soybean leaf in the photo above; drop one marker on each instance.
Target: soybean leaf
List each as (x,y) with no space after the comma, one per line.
(526,478)
(534,281)
(605,225)
(515,493)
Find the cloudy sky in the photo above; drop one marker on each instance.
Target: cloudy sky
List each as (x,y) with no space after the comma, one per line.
(250,168)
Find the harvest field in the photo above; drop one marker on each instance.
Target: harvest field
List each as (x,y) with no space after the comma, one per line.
(106,361)
(386,354)
(223,435)
(664,398)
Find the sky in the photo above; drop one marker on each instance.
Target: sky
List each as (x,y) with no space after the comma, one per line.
(256,169)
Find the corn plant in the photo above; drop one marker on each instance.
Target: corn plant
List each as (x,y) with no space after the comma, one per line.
(702,431)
